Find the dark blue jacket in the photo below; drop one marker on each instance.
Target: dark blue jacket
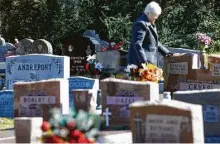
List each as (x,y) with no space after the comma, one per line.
(144,46)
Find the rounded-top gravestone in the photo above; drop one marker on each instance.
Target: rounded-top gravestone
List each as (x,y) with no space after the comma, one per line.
(2,41)
(42,46)
(24,47)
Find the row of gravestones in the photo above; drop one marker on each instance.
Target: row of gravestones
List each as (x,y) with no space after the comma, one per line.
(29,46)
(19,99)
(117,94)
(78,49)
(36,67)
(152,120)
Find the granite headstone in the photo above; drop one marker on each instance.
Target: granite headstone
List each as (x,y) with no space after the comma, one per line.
(42,46)
(7,104)
(35,99)
(35,67)
(79,82)
(209,99)
(117,94)
(166,121)
(24,47)
(78,49)
(113,61)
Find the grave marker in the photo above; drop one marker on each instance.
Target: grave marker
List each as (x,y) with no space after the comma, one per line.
(24,47)
(79,82)
(209,99)
(35,67)
(27,130)
(166,122)
(7,104)
(78,48)
(42,46)
(85,100)
(35,99)
(117,94)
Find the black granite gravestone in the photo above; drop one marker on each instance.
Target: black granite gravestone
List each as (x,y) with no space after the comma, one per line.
(78,48)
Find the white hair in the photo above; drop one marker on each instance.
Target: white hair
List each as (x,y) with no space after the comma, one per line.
(153,7)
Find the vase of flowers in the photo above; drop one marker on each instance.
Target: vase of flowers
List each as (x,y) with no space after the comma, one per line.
(147,72)
(203,44)
(93,67)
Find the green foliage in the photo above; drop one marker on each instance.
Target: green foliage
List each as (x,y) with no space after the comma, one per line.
(118,28)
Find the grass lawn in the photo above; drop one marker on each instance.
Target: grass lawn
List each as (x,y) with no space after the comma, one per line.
(6,123)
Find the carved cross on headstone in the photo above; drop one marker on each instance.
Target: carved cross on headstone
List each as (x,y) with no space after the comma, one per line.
(107,114)
(138,126)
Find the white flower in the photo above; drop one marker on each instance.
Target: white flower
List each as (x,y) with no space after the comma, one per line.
(89,58)
(129,67)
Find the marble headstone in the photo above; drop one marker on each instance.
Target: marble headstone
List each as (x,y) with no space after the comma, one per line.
(36,67)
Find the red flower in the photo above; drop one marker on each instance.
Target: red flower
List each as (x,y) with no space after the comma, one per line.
(53,139)
(56,139)
(83,139)
(48,140)
(71,124)
(117,45)
(76,134)
(45,126)
(87,66)
(72,141)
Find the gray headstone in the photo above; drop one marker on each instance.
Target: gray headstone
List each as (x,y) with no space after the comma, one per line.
(209,99)
(42,46)
(24,47)
(36,67)
(27,130)
(110,60)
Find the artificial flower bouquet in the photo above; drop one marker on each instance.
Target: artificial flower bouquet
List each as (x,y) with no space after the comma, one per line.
(203,41)
(81,127)
(93,67)
(147,72)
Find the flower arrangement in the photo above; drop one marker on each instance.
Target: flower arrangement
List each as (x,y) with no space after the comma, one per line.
(93,66)
(204,41)
(80,127)
(147,72)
